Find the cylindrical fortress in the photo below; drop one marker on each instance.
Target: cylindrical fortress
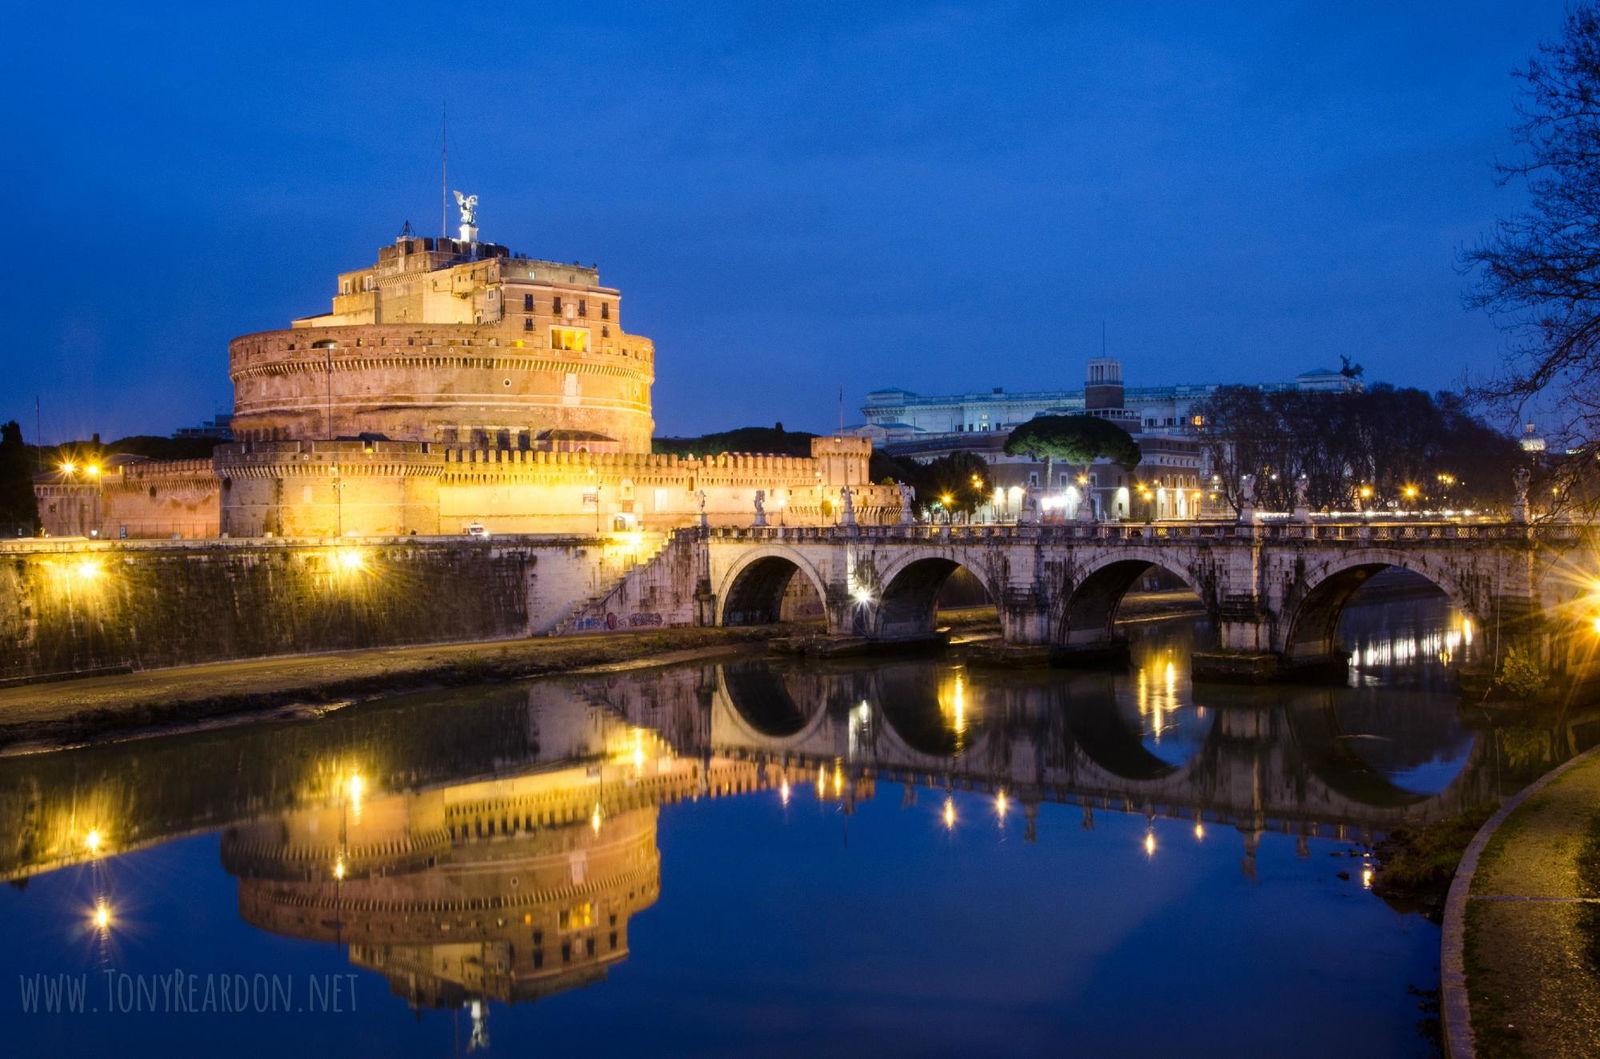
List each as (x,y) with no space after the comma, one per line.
(453,384)
(456,343)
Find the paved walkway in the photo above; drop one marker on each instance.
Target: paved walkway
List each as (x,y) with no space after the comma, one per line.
(1523,925)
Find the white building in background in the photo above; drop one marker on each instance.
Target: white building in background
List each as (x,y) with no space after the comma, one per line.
(1172,481)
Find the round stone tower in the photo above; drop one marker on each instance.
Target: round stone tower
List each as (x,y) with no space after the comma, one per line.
(455,342)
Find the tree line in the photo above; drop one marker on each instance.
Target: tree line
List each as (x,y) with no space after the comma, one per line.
(1384,446)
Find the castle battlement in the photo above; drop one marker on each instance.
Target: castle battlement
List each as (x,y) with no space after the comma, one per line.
(456,384)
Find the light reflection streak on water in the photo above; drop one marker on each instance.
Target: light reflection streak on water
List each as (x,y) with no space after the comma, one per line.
(1441,645)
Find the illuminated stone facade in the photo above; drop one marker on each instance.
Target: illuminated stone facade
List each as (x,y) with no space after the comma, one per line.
(455,384)
(458,343)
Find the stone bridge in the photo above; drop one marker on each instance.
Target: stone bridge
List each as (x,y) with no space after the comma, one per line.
(1274,590)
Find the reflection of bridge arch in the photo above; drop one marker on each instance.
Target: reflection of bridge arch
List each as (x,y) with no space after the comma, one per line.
(1090,612)
(907,605)
(753,590)
(1324,752)
(1313,626)
(760,698)
(737,719)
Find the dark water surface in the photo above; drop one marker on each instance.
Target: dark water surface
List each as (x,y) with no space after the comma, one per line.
(915,856)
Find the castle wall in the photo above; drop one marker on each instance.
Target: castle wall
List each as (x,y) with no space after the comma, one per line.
(168,498)
(82,606)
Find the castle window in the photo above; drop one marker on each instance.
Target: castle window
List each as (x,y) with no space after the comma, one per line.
(527,323)
(570,338)
(605,310)
(555,305)
(583,307)
(527,303)
(605,331)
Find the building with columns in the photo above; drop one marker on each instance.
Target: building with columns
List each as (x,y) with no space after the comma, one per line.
(1171,482)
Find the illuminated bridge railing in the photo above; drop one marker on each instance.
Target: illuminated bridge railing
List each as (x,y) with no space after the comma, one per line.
(1364,531)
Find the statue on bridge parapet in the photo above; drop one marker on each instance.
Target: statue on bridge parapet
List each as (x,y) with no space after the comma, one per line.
(847,516)
(1247,498)
(1028,515)
(761,509)
(1519,505)
(705,523)
(1302,503)
(906,492)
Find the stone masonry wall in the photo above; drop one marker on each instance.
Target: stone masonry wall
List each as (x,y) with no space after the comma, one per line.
(83,606)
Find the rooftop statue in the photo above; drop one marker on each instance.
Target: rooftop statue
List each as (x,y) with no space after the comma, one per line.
(468,205)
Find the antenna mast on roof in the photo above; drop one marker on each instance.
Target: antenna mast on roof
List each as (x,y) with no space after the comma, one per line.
(444,168)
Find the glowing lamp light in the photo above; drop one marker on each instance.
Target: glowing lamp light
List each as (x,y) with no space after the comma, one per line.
(68,467)
(1149,843)
(1366,876)
(1594,623)
(349,560)
(91,470)
(101,916)
(93,840)
(945,499)
(339,869)
(949,814)
(595,818)
(1199,830)
(862,595)
(1000,803)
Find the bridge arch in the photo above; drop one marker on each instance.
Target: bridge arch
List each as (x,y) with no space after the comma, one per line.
(752,591)
(1312,627)
(1089,613)
(907,603)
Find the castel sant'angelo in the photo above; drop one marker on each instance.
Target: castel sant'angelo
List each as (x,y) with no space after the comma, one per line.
(456,383)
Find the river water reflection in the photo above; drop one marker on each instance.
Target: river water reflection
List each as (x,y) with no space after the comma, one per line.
(721,858)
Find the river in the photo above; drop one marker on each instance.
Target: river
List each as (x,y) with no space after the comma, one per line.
(752,855)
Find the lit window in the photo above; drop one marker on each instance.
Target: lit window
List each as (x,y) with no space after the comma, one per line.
(570,338)
(577,917)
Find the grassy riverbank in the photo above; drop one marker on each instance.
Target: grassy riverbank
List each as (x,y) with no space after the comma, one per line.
(106,707)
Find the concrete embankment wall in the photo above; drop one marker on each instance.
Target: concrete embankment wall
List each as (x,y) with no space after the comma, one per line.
(76,606)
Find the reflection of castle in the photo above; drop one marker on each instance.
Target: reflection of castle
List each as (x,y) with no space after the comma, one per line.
(453,382)
(505,889)
(511,914)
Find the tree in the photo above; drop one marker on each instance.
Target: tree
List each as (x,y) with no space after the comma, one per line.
(1075,439)
(1539,272)
(19,510)
(1379,445)
(958,482)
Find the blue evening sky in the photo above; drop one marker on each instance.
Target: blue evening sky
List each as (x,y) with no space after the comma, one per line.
(792,198)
